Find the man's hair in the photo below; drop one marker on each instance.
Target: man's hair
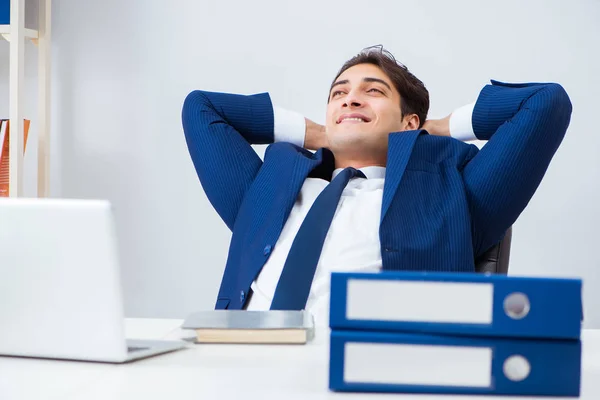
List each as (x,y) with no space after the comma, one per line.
(413,94)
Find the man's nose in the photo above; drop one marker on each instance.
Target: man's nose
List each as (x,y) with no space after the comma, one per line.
(352,100)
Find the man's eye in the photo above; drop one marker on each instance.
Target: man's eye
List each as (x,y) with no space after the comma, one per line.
(336,93)
(376,90)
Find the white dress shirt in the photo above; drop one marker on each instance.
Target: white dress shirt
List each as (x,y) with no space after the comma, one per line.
(352,242)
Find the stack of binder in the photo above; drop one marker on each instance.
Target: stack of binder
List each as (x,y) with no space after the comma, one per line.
(405,332)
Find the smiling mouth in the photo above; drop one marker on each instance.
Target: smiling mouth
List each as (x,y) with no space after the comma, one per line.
(354,120)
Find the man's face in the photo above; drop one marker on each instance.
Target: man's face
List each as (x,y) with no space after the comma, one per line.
(363,109)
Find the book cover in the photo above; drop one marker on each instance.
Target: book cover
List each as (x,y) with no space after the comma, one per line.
(5,154)
(4,12)
(240,326)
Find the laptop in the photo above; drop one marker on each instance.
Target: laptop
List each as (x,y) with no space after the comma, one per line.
(60,284)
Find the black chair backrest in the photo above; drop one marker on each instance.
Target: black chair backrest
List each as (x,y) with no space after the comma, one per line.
(496,259)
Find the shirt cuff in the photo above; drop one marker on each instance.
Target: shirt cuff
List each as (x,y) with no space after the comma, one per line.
(461,126)
(289,126)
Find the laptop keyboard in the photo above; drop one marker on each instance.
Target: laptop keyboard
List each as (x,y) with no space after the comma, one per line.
(134,349)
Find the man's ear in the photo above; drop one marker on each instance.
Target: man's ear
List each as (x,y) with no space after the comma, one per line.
(411,122)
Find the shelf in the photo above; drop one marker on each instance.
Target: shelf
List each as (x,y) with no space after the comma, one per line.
(29,33)
(41,38)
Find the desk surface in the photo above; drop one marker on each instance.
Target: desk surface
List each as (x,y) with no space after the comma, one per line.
(213,372)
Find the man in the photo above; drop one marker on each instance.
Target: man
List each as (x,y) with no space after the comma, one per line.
(386,189)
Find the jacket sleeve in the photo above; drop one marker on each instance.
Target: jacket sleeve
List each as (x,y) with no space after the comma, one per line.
(219,130)
(524,125)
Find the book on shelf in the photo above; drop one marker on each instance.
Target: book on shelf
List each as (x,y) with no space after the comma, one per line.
(5,153)
(4,12)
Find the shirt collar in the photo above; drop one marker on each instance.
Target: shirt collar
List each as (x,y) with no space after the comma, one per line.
(373,172)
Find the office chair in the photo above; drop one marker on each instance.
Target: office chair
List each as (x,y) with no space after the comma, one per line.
(495,260)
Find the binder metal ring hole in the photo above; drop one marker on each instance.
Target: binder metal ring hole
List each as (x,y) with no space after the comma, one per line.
(516,305)
(516,368)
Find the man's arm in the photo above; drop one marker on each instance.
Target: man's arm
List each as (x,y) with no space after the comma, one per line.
(292,127)
(315,137)
(219,130)
(457,125)
(524,125)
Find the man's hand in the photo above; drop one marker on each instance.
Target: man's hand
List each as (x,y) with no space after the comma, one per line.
(315,136)
(438,127)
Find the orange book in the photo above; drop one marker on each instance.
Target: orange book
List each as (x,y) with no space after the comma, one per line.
(5,153)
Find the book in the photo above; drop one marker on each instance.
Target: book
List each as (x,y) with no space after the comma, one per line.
(4,12)
(251,327)
(5,153)
(444,364)
(460,303)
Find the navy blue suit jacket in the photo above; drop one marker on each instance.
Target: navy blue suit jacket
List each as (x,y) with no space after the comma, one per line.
(444,201)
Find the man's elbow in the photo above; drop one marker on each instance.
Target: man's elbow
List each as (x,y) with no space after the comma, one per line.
(195,115)
(553,108)
(194,102)
(559,102)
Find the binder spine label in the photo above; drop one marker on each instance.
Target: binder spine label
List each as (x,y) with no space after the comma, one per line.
(410,364)
(415,301)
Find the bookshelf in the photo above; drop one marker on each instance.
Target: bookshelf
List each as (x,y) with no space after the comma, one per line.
(18,36)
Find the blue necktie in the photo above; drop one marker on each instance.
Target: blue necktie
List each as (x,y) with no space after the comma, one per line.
(299,269)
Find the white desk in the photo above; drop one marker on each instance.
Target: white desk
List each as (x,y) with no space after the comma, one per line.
(241,372)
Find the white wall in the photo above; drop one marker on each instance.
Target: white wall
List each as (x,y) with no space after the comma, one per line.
(121,70)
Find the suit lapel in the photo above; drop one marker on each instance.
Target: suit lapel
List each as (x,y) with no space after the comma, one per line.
(400,146)
(284,171)
(293,174)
